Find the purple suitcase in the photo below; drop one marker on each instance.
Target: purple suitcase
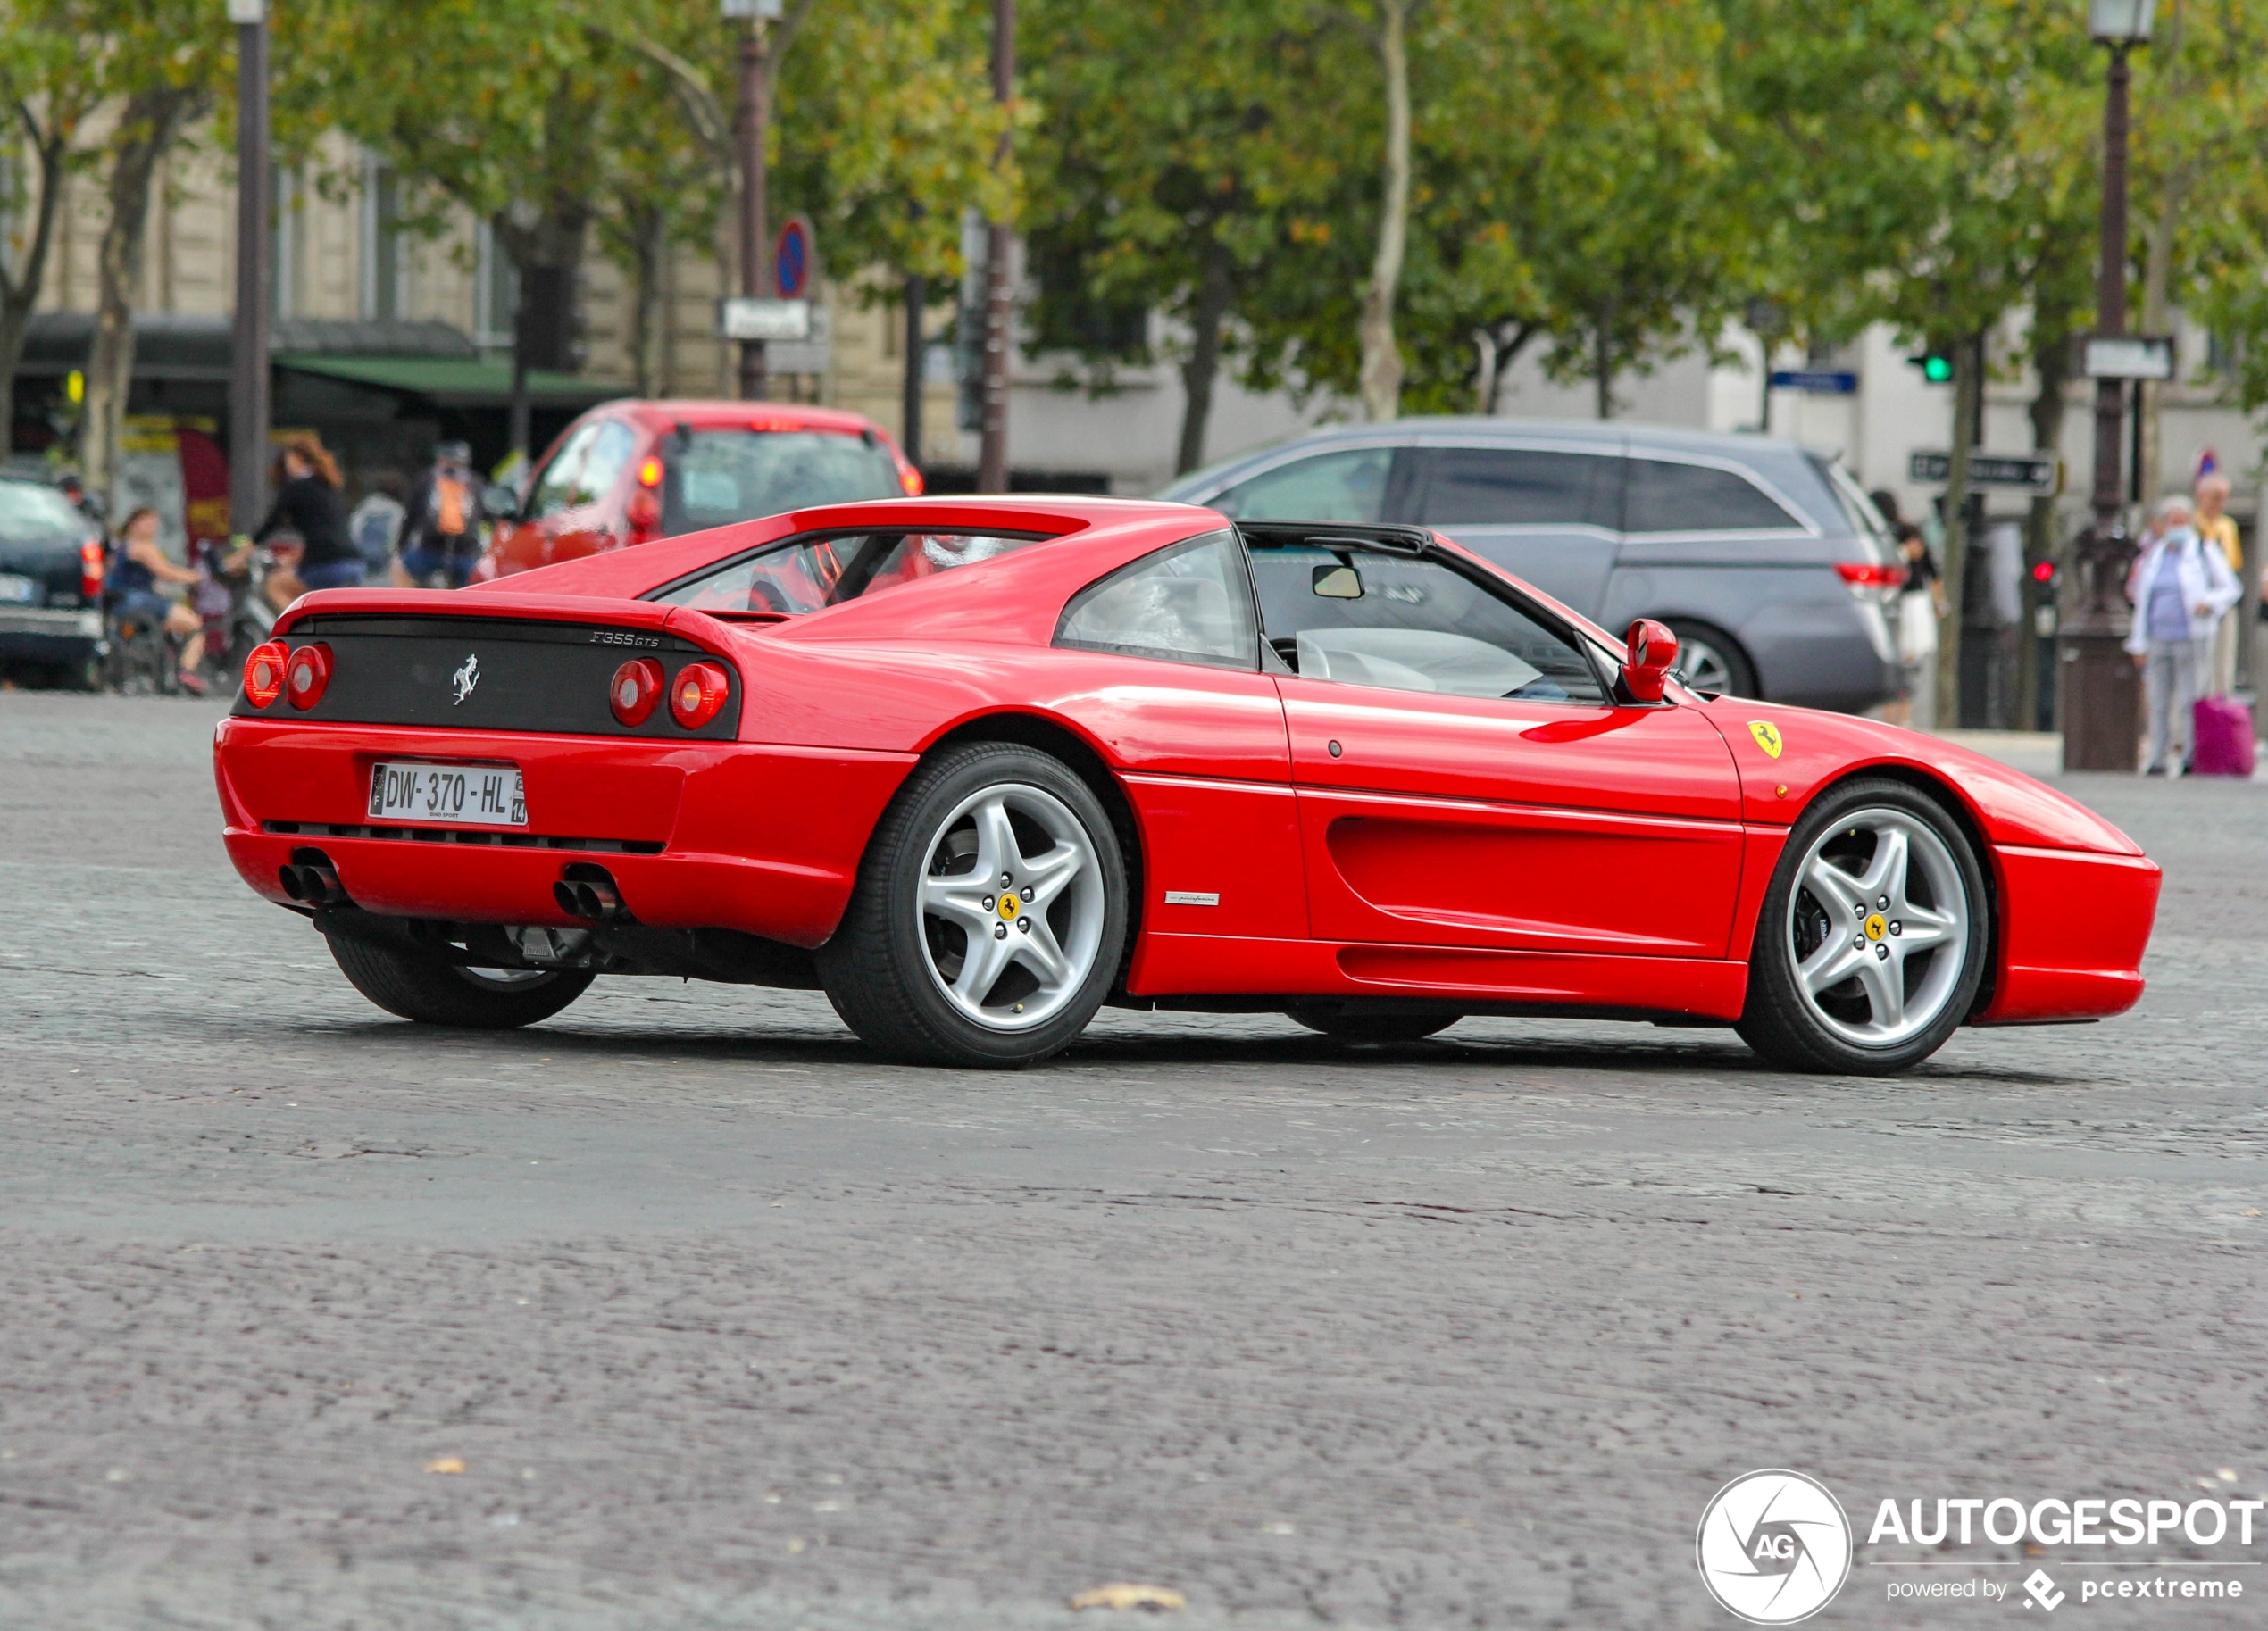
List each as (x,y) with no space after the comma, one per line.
(2223,734)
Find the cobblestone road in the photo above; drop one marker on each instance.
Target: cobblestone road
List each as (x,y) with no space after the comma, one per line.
(729,1326)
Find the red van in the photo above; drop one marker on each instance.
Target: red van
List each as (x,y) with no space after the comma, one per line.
(629,472)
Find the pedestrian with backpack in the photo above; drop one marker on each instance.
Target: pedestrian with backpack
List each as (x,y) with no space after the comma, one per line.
(441,538)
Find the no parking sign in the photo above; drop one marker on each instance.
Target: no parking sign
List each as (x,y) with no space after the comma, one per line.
(794,259)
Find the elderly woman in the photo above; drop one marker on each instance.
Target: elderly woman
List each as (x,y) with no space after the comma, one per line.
(2180,585)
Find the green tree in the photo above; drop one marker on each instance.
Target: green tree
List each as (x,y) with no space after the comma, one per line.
(157,65)
(47,95)
(1163,177)
(1930,156)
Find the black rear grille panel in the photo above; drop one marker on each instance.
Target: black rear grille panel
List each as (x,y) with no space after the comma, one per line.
(489,836)
(529,676)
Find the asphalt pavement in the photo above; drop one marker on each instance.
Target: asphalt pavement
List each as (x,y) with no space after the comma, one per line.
(681,1311)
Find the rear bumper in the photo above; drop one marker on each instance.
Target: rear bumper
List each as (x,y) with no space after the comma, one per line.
(765,840)
(42,634)
(2073,927)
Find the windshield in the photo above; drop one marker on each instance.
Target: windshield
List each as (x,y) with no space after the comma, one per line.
(29,513)
(821,570)
(716,477)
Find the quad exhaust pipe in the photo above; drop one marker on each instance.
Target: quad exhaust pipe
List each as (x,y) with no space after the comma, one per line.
(588,891)
(310,879)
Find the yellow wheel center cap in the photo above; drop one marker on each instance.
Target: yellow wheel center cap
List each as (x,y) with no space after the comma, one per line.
(1877,927)
(1009,908)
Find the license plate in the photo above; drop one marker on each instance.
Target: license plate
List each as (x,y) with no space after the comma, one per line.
(482,794)
(17,591)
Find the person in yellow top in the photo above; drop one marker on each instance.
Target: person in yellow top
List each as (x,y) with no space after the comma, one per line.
(2215,525)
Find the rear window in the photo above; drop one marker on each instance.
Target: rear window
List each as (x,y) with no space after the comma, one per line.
(29,511)
(819,570)
(716,477)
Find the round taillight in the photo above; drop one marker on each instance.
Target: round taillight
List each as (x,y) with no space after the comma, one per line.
(263,673)
(698,694)
(307,673)
(635,689)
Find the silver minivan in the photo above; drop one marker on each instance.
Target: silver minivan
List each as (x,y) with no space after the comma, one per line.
(1766,558)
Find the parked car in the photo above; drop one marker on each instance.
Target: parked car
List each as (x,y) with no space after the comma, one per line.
(1766,559)
(52,565)
(629,472)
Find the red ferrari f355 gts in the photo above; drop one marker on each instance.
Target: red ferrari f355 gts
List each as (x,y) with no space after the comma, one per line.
(975,767)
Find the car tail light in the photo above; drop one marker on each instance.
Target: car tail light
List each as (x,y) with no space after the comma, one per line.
(1864,577)
(263,672)
(90,571)
(635,689)
(698,694)
(307,674)
(649,472)
(911,480)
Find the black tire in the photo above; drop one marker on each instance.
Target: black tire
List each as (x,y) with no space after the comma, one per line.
(1779,1020)
(881,969)
(1341,1026)
(1723,654)
(434,992)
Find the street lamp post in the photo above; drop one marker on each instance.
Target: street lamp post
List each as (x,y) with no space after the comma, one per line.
(248,349)
(755,113)
(2101,714)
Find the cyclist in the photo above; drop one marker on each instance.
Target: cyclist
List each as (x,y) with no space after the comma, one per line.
(134,579)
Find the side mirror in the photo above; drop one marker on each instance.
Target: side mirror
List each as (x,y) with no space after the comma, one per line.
(1651,652)
(499,501)
(1336,582)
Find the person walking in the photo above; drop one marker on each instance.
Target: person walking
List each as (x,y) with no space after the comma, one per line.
(2217,527)
(308,504)
(2180,585)
(442,537)
(1920,605)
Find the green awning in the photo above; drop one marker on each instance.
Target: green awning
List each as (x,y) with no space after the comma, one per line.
(455,382)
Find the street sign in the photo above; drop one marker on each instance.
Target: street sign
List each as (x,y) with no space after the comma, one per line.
(794,259)
(745,317)
(1817,381)
(2031,472)
(2137,356)
(814,354)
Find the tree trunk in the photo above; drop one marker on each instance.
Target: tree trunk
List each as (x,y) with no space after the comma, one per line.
(20,290)
(1381,379)
(147,129)
(2051,361)
(1603,362)
(553,244)
(1968,417)
(1499,346)
(649,257)
(1198,373)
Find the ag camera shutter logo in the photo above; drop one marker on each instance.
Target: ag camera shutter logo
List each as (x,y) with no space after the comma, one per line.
(1774,1547)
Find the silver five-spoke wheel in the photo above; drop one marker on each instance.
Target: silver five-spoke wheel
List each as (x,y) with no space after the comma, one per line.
(990,921)
(1012,907)
(1878,925)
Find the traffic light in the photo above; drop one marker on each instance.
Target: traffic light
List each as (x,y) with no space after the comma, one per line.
(1936,362)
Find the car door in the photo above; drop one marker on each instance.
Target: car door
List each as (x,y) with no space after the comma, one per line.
(1465,777)
(585,513)
(1160,663)
(1547,513)
(530,539)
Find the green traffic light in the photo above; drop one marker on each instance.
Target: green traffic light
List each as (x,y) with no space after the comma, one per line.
(1937,369)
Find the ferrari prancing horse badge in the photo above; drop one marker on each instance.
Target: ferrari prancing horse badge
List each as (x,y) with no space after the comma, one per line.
(1767,735)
